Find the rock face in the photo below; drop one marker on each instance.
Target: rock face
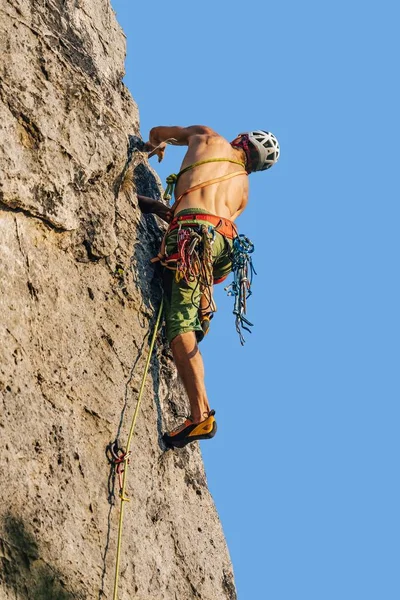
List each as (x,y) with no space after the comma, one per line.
(78,301)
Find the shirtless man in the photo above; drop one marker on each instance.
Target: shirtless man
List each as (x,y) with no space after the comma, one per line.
(213,193)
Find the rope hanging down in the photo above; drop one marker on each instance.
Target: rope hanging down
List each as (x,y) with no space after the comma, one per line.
(240,287)
(123,459)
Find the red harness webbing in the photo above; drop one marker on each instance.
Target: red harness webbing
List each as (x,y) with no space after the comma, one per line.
(223,226)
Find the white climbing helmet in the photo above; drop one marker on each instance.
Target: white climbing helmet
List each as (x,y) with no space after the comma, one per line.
(267,146)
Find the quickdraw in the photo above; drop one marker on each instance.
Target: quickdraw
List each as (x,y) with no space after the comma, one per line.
(118,458)
(240,288)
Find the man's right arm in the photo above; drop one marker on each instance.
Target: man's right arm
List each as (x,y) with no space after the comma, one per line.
(177,136)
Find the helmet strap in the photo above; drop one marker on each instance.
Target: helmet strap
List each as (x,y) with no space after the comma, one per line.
(244,144)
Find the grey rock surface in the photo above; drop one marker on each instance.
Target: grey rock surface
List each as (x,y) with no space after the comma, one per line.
(78,299)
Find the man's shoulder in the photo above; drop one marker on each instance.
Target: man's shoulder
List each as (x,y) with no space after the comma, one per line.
(202,130)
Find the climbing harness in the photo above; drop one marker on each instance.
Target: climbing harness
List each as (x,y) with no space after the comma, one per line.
(121,457)
(221,225)
(224,226)
(240,288)
(193,260)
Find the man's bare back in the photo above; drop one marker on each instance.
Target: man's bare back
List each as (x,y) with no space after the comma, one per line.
(226,198)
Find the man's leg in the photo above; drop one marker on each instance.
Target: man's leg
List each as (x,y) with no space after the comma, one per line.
(189,363)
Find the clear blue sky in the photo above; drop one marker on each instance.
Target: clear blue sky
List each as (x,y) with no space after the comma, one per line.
(304,469)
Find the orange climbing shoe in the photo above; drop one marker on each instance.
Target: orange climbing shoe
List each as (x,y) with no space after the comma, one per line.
(189,431)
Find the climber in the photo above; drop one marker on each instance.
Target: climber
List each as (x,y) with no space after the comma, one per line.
(211,191)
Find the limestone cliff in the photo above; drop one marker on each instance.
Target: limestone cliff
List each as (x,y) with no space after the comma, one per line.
(78,298)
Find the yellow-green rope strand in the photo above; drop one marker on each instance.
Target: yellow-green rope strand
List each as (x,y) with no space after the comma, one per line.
(128,445)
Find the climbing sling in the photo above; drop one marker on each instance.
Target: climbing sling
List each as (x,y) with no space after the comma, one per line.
(216,221)
(173,178)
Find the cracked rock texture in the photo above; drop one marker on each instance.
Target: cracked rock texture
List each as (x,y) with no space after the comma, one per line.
(78,298)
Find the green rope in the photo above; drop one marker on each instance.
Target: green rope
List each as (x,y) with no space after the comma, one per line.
(128,445)
(171,181)
(173,178)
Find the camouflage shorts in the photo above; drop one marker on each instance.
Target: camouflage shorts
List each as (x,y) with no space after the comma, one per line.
(182,299)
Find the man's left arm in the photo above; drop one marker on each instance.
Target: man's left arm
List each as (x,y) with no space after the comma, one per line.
(150,206)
